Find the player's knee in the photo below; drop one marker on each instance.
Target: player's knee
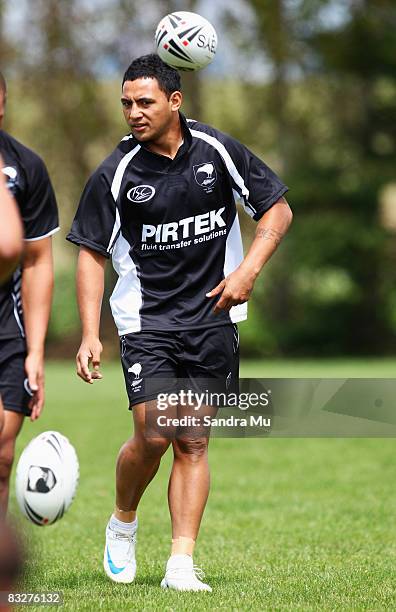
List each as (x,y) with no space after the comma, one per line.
(154,448)
(191,449)
(148,448)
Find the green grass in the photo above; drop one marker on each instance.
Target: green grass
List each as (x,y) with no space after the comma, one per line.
(291,524)
(321,368)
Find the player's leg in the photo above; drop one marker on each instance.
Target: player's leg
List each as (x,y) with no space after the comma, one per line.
(189,484)
(137,464)
(139,458)
(188,488)
(187,495)
(12,425)
(15,397)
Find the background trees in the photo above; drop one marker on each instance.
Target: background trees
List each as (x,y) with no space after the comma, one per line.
(309,85)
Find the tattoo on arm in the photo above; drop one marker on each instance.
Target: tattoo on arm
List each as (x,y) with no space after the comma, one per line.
(266,233)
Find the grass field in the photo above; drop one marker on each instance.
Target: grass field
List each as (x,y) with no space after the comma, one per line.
(291,524)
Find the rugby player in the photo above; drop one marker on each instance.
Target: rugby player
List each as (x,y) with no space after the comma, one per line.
(10,239)
(25,299)
(10,229)
(163,206)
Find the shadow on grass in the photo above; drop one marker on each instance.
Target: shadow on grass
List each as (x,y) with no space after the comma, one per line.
(97,578)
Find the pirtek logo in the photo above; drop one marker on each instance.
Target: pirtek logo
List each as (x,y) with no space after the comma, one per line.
(169,232)
(141,193)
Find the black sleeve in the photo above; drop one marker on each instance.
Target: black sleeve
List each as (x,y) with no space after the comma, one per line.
(264,187)
(94,223)
(38,207)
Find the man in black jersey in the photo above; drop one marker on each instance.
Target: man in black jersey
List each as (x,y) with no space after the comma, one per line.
(10,240)
(25,299)
(163,206)
(10,230)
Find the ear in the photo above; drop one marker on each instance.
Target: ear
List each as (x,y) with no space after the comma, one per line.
(176,100)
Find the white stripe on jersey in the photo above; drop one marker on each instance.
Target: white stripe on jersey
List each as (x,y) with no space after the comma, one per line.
(126,299)
(16,315)
(115,190)
(115,232)
(119,173)
(239,200)
(220,148)
(232,259)
(16,297)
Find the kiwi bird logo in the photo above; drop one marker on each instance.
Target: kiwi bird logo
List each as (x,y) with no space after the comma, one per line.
(205,175)
(136,370)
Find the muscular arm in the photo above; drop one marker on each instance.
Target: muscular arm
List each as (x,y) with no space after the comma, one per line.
(90,287)
(238,286)
(37,288)
(10,230)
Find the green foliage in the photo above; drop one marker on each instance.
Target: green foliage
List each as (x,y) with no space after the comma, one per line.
(64,317)
(323,120)
(340,152)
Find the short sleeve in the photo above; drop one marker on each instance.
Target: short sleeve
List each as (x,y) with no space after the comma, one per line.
(39,210)
(257,185)
(94,224)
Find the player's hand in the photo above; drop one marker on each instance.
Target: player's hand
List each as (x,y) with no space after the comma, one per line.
(34,368)
(235,289)
(89,353)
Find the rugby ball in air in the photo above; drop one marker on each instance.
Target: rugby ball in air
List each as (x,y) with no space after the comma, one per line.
(186,41)
(46,478)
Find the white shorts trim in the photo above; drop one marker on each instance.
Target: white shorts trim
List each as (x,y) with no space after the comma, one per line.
(43,236)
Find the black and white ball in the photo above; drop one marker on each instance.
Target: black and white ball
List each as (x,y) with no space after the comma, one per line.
(186,41)
(46,478)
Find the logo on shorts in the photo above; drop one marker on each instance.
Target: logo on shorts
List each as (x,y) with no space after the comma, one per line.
(27,387)
(205,175)
(141,193)
(136,370)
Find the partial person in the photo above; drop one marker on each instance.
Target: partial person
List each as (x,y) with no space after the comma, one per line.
(10,241)
(163,207)
(25,299)
(11,231)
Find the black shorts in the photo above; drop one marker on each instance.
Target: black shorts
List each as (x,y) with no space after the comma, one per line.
(14,387)
(194,355)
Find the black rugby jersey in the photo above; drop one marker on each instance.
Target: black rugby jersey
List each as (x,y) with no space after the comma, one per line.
(28,181)
(171,226)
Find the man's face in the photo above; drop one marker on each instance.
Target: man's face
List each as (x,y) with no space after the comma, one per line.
(2,106)
(147,110)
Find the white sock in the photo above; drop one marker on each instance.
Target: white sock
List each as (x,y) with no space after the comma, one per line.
(117,525)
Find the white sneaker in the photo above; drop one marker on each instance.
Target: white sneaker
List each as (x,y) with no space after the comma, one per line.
(119,555)
(182,575)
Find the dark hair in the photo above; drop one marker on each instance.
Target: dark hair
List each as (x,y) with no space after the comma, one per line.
(3,84)
(153,67)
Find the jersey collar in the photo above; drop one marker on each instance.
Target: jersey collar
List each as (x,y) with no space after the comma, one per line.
(161,162)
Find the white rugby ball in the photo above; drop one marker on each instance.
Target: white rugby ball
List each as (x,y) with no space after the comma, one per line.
(186,41)
(46,478)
